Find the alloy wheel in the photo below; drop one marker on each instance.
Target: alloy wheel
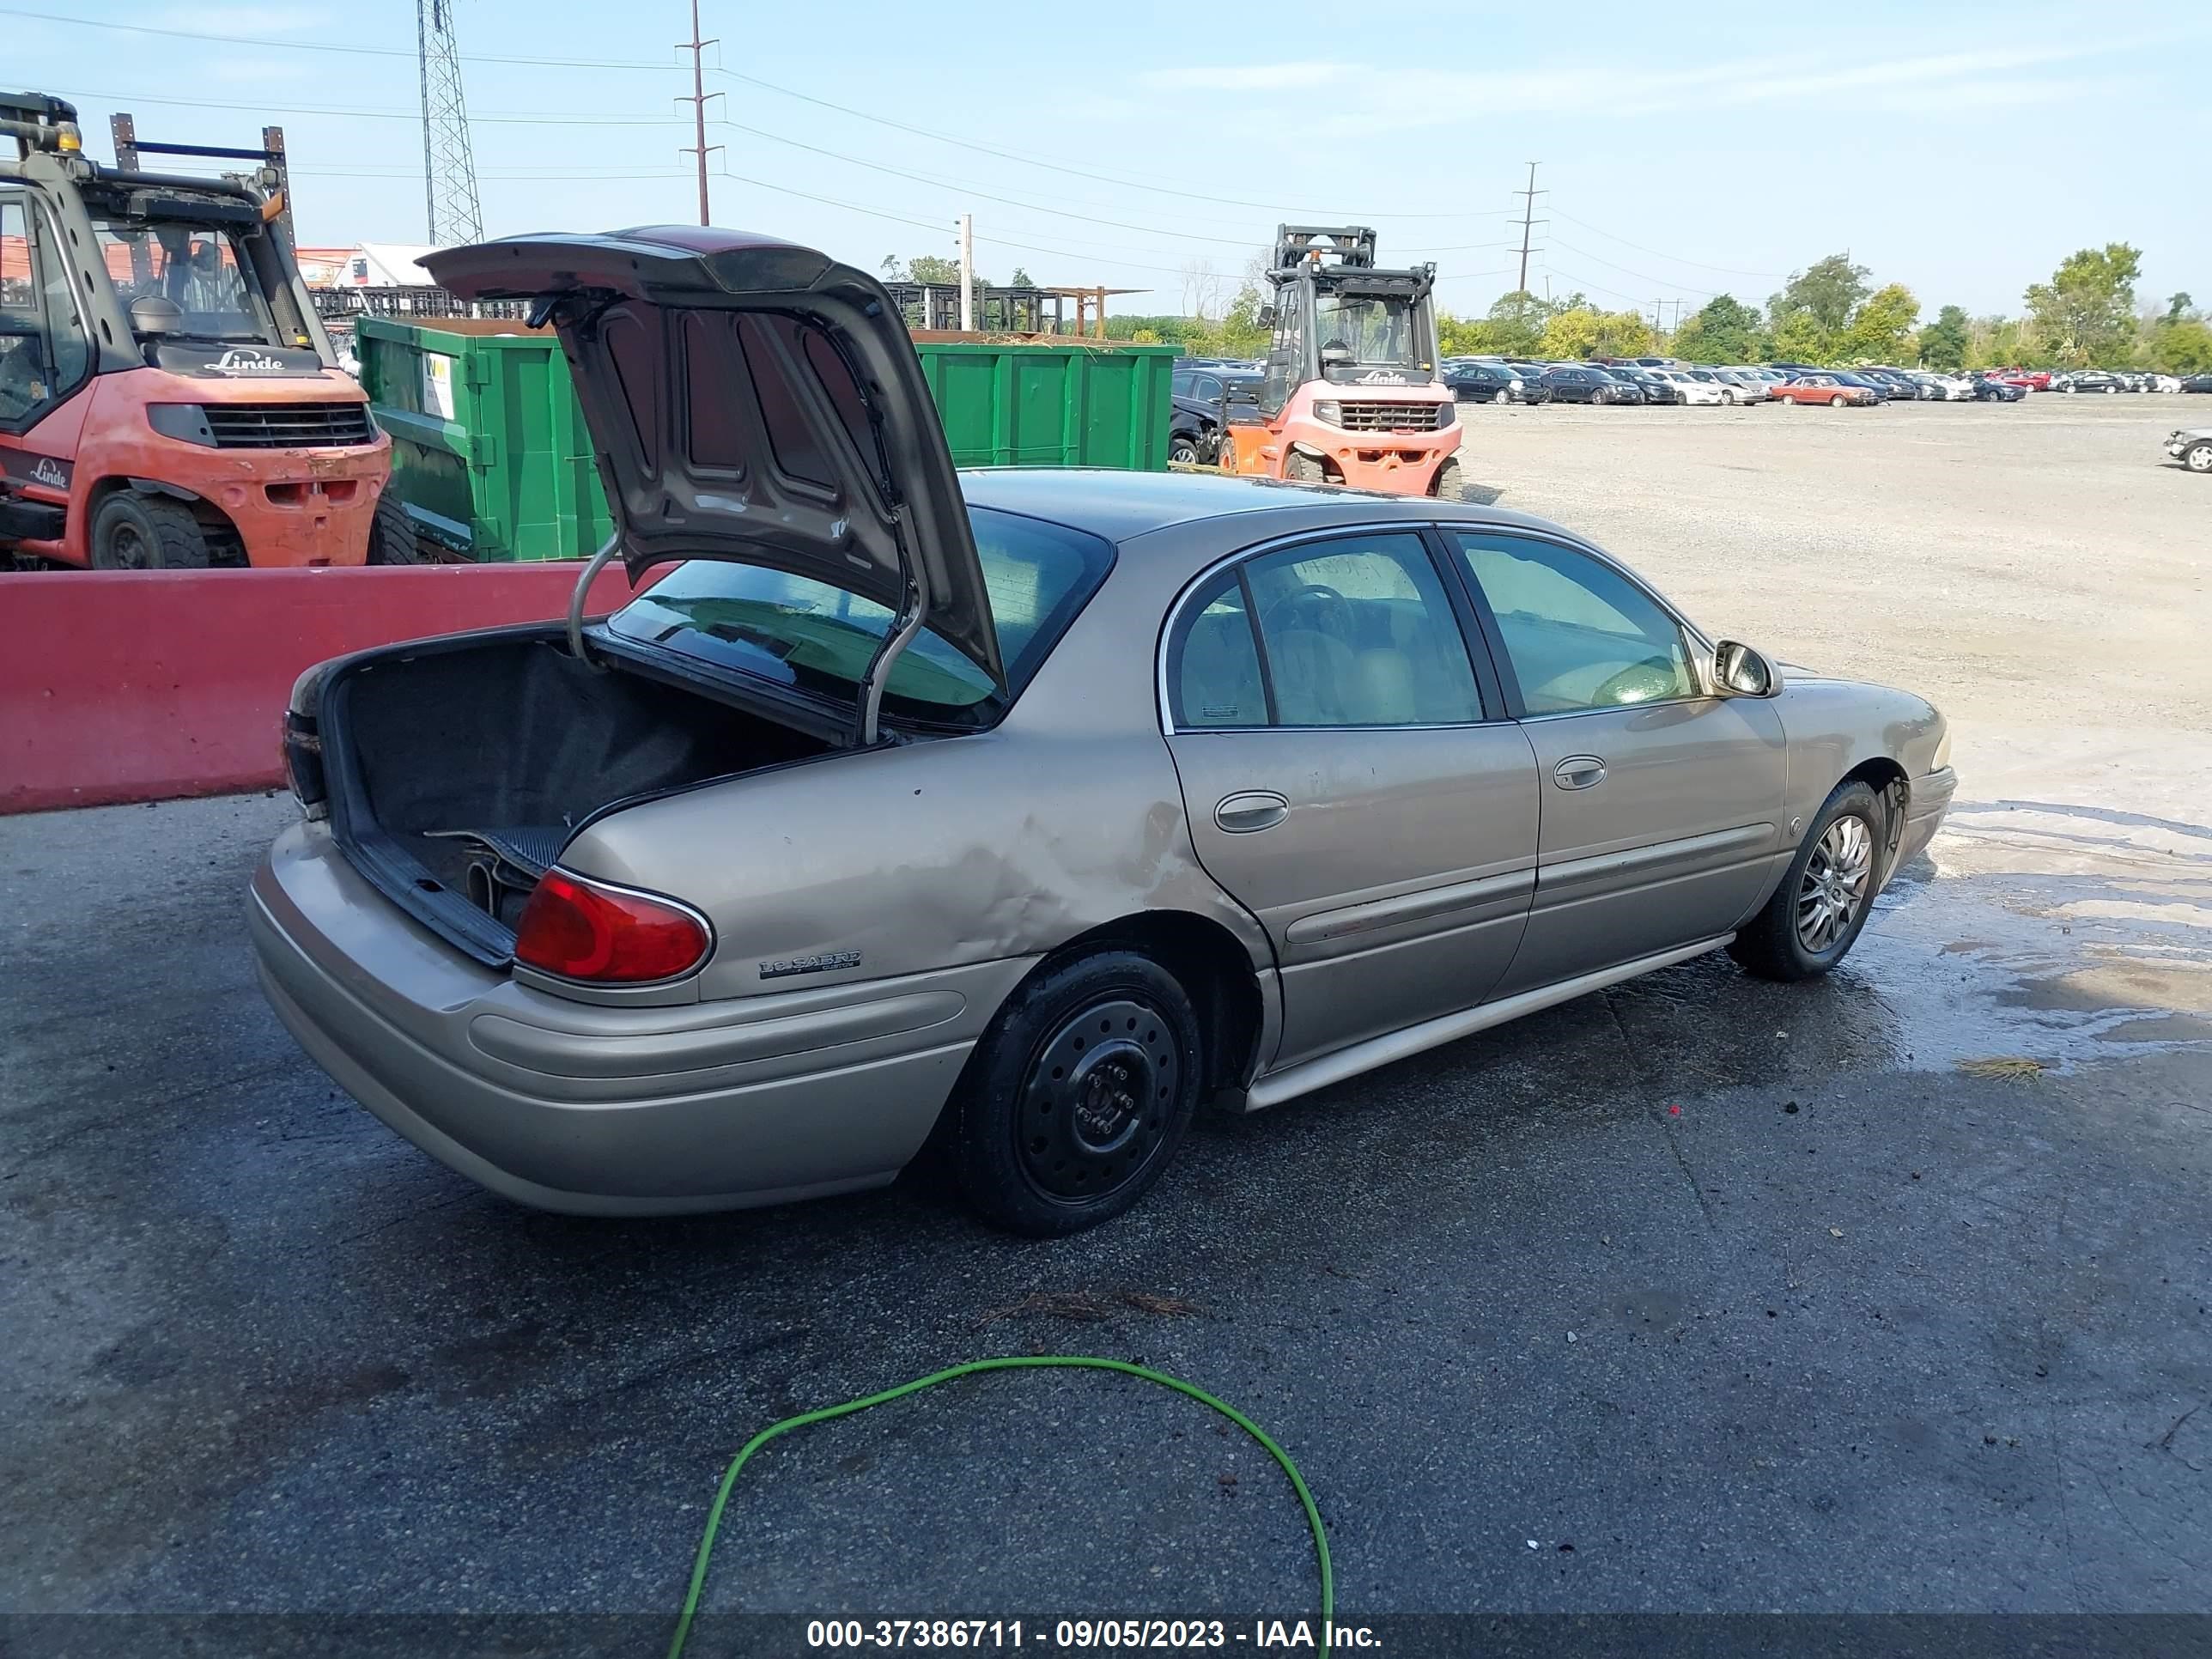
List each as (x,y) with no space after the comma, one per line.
(1836,883)
(1095,1105)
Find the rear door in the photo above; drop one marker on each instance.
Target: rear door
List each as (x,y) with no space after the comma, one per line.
(1661,804)
(1352,780)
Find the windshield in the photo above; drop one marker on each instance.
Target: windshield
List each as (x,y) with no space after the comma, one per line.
(198,267)
(818,639)
(1366,328)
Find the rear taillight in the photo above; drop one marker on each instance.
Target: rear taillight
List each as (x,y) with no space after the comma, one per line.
(606,935)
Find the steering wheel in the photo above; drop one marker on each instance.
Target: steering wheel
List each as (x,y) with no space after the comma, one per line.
(1333,615)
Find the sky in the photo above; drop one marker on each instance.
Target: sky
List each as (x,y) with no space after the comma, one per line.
(1959,147)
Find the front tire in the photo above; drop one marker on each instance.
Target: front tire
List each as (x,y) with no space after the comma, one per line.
(1302,468)
(1815,914)
(1839,402)
(132,531)
(1450,483)
(1182,451)
(1077,1094)
(2198,458)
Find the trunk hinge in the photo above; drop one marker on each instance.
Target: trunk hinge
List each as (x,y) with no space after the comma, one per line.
(576,601)
(913,607)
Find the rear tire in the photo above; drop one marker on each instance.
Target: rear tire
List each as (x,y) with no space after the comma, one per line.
(1077,1094)
(391,534)
(1815,914)
(132,531)
(1451,482)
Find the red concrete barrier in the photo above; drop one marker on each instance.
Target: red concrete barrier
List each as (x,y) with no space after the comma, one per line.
(148,685)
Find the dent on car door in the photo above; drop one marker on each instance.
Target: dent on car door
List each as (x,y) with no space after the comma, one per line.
(1662,806)
(1348,781)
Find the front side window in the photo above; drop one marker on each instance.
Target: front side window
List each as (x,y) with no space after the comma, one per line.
(1577,633)
(796,632)
(45,353)
(1353,630)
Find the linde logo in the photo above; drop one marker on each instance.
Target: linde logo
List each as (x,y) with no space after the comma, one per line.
(1380,377)
(234,361)
(50,473)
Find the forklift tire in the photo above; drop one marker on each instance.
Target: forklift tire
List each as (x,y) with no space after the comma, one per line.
(1302,468)
(1450,481)
(391,534)
(132,531)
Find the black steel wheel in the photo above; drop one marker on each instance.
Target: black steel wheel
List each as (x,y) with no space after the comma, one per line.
(132,531)
(1076,1095)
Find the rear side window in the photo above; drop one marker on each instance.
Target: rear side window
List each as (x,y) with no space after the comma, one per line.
(1215,680)
(1347,631)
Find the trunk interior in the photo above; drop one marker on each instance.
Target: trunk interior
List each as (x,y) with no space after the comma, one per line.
(458,774)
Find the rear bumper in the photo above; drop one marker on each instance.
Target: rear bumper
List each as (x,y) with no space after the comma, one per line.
(1924,810)
(606,1109)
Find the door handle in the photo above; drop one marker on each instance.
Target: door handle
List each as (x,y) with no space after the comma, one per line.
(1578,772)
(1253,809)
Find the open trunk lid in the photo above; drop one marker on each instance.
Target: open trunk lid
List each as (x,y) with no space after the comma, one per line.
(758,402)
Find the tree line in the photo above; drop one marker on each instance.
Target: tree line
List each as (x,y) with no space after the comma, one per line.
(2086,316)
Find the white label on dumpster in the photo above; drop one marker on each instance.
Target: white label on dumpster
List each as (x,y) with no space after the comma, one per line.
(438,386)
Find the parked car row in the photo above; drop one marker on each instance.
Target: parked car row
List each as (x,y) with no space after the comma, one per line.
(2102,379)
(1663,381)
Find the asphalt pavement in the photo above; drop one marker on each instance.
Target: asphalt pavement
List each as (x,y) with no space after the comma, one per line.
(1697,1294)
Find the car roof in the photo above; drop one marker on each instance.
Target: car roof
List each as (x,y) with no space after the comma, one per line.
(1121,504)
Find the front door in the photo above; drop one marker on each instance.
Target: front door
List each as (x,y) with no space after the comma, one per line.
(44,354)
(1662,806)
(1346,781)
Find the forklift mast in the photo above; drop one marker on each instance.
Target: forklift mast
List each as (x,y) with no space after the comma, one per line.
(1350,246)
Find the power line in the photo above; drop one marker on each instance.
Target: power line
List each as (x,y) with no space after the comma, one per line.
(1642,276)
(750,80)
(1675,259)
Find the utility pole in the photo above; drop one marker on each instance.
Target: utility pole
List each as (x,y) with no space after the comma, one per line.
(1528,218)
(700,148)
(967,273)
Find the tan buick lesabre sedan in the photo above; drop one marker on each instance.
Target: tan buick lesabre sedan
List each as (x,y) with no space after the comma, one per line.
(1028,809)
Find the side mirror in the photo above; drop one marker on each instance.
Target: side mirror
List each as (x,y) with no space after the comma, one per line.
(1266,317)
(1741,672)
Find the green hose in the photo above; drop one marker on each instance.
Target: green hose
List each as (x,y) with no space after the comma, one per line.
(1013,1363)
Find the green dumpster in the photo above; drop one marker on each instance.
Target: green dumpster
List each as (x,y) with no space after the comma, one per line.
(1060,404)
(489,449)
(491,458)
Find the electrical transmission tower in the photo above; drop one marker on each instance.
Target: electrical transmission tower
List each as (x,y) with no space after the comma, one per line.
(449,167)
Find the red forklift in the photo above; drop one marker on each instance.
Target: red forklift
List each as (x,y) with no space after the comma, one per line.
(1350,393)
(168,399)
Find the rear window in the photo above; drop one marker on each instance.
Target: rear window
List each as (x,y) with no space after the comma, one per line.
(814,638)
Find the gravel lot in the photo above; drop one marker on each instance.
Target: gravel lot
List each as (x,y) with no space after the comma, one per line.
(1747,1293)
